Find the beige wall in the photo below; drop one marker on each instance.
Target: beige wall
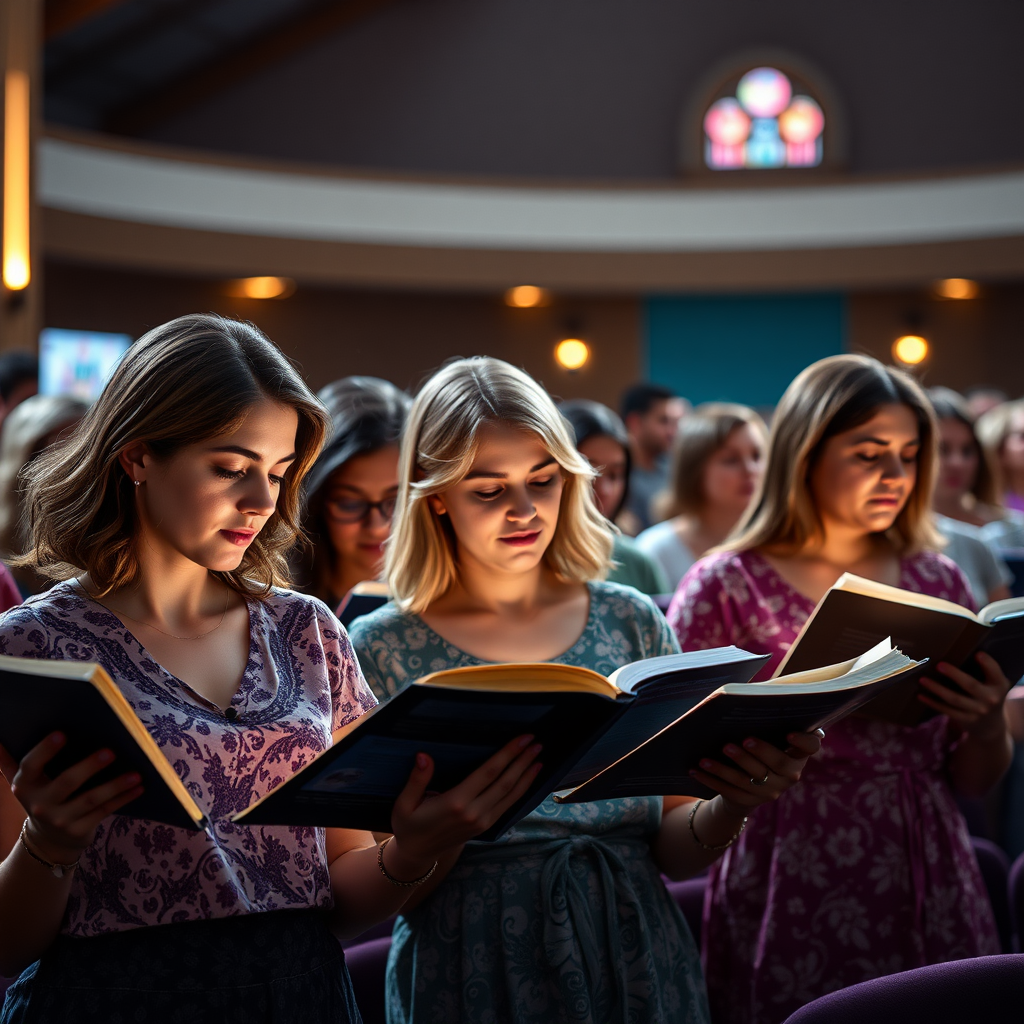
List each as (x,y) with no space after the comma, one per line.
(975,342)
(401,337)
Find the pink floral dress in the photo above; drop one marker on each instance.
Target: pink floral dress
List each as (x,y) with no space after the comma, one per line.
(865,868)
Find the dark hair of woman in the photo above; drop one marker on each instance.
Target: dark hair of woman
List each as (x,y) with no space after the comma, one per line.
(591,419)
(367,414)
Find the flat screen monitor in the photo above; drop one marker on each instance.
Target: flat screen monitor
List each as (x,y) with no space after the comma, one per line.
(78,363)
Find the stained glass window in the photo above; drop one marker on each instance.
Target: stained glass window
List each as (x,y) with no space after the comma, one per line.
(763,125)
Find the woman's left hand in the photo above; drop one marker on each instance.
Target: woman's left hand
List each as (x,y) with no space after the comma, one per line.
(978,710)
(760,772)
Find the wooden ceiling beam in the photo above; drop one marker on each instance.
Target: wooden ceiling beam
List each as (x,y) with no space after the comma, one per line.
(250,58)
(60,16)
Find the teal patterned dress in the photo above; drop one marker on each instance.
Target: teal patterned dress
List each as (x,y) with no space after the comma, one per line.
(565,919)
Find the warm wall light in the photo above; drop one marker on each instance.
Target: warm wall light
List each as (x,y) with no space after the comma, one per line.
(16,258)
(261,288)
(956,288)
(572,353)
(911,349)
(527,296)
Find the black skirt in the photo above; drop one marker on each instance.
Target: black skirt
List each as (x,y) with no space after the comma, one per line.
(264,968)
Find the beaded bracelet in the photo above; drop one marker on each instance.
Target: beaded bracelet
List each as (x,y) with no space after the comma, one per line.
(704,846)
(390,877)
(57,870)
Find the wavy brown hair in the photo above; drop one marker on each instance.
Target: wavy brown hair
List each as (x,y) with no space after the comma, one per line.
(828,398)
(180,384)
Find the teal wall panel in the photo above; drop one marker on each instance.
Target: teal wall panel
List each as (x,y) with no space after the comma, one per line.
(739,348)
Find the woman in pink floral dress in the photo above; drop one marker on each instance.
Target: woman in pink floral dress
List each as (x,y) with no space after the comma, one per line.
(866,869)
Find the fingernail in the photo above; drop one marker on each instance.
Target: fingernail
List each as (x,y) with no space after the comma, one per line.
(705,764)
(536,768)
(134,779)
(525,741)
(750,744)
(57,739)
(730,749)
(421,760)
(105,756)
(536,749)
(693,771)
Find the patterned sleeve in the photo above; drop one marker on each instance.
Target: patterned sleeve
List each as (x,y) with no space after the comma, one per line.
(701,612)
(663,640)
(23,635)
(350,696)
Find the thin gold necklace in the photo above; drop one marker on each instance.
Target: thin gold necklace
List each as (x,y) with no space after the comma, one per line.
(173,636)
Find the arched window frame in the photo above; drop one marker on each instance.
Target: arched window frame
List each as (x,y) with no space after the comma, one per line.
(722,79)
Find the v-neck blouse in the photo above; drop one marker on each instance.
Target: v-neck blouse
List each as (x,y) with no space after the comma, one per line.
(301,682)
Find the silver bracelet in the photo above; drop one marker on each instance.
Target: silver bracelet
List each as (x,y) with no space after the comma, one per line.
(704,846)
(57,870)
(390,877)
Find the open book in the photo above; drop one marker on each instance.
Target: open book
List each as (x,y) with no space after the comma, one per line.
(856,613)
(768,710)
(639,732)
(80,700)
(461,716)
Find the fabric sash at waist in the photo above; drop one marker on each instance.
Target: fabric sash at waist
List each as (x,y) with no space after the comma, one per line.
(576,925)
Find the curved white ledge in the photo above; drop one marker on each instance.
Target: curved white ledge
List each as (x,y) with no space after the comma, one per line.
(167,191)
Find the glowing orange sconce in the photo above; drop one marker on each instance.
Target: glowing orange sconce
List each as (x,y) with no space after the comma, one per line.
(956,288)
(261,288)
(16,252)
(527,296)
(571,353)
(910,350)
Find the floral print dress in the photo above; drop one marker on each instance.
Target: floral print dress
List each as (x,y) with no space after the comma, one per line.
(300,683)
(565,919)
(863,869)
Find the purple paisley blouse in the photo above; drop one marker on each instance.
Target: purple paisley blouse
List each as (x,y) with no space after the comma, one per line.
(865,868)
(301,682)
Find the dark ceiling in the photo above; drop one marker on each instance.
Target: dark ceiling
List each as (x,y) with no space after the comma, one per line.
(125,65)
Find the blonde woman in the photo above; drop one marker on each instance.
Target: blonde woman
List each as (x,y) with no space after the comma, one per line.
(1001,431)
(866,868)
(166,516)
(716,471)
(497,553)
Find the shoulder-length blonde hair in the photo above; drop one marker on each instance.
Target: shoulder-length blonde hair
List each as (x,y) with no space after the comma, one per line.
(831,396)
(701,433)
(992,429)
(191,379)
(438,449)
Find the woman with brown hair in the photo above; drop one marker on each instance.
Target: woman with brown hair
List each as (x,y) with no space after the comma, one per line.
(716,471)
(866,868)
(165,517)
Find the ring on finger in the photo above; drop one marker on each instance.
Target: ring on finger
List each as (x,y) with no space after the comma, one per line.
(760,782)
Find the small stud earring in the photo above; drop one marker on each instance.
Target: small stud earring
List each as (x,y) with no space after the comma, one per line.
(136,482)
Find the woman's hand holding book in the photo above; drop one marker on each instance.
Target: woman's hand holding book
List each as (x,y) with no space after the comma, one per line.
(978,709)
(426,826)
(62,818)
(760,772)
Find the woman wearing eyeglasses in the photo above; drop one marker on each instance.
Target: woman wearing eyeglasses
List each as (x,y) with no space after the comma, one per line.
(351,490)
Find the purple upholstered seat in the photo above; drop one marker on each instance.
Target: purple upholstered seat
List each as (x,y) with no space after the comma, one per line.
(689,897)
(995,870)
(367,964)
(987,988)
(378,931)
(1017,900)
